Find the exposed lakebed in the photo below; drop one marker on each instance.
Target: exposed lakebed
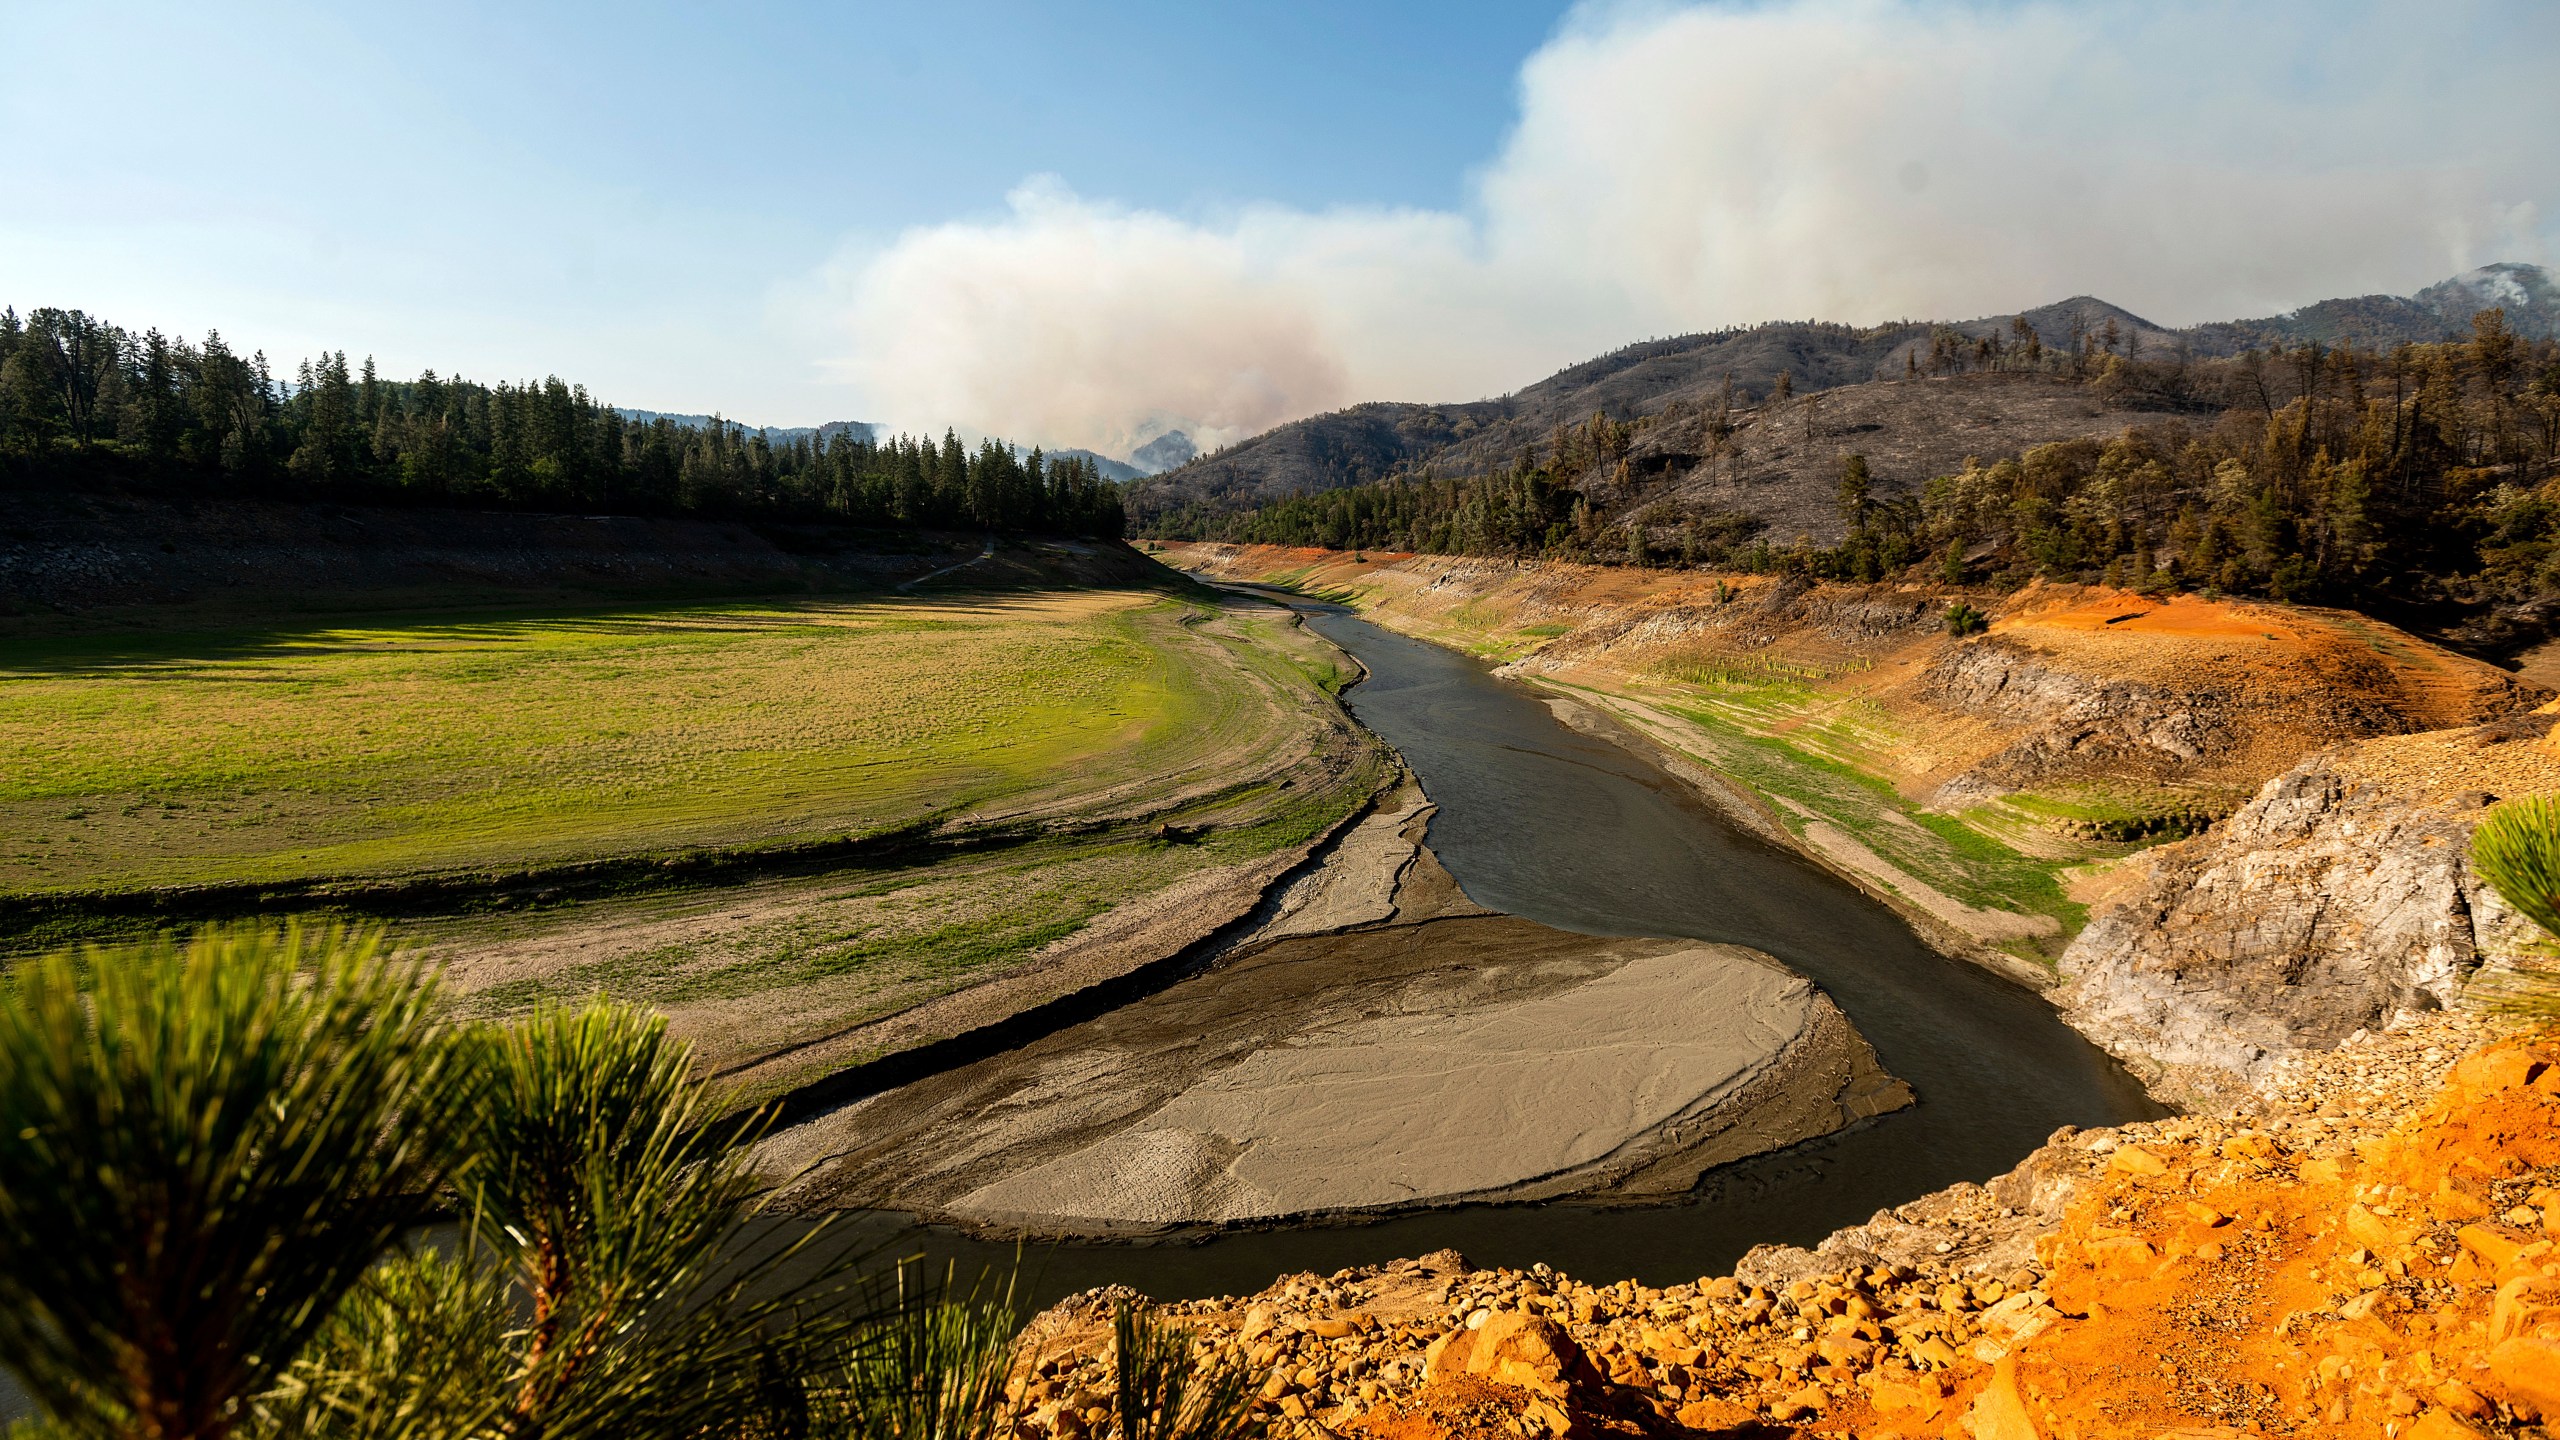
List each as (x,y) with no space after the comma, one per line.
(1555,827)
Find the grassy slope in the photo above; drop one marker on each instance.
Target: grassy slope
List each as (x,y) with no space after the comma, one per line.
(750,969)
(1755,729)
(430,744)
(1165,735)
(1813,756)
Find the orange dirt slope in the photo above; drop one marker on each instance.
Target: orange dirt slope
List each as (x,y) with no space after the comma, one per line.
(2259,685)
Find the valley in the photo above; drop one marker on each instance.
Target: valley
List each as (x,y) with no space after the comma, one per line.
(1794,720)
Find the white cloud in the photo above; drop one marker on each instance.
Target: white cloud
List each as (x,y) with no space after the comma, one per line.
(1678,168)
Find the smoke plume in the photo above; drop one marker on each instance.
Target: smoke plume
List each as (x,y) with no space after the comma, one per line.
(1685,168)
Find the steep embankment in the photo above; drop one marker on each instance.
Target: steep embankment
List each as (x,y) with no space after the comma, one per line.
(2338,896)
(94,551)
(1982,785)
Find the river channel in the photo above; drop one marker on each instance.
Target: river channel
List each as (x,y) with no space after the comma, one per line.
(1543,822)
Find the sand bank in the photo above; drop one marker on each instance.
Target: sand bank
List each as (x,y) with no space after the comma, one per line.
(1379,1043)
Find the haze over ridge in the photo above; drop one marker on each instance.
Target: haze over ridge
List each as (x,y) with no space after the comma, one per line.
(1679,168)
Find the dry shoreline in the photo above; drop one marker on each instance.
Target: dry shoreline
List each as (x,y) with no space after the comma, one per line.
(1376,1009)
(1300,1041)
(1736,803)
(1748,811)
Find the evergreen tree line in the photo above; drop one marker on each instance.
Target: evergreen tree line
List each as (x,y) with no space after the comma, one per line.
(2428,473)
(83,400)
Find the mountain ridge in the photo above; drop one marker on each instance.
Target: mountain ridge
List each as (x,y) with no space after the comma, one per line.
(1377,440)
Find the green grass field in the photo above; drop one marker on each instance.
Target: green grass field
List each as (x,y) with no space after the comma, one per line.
(402,746)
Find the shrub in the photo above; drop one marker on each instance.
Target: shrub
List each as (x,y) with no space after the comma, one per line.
(1963,619)
(208,1145)
(935,1369)
(219,1157)
(2517,850)
(1163,1392)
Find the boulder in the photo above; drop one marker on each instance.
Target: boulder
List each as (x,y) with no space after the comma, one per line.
(1513,1348)
(2000,1411)
(2528,1375)
(2334,899)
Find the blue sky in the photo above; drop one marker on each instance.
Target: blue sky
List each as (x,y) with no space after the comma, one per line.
(1086,224)
(510,188)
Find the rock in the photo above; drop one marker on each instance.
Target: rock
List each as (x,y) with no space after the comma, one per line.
(2123,1256)
(2134,1160)
(1892,1394)
(2437,1425)
(1512,1348)
(1716,1415)
(2000,1412)
(2528,1372)
(2462,1400)
(1808,1400)
(2335,898)
(2494,1071)
(2523,1304)
(2495,1249)
(2377,1234)
(1845,1350)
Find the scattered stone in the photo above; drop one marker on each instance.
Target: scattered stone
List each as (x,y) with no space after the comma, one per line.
(2282,1270)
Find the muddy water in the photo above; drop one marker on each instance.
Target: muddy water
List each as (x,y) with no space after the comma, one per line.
(1543,822)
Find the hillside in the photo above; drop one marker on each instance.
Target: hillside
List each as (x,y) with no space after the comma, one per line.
(2337,897)
(1712,373)
(1966,781)
(773,434)
(1780,465)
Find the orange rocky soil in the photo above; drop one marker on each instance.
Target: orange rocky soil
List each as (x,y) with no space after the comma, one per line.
(2071,684)
(2366,1249)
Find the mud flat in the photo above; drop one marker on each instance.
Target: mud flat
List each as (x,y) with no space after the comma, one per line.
(1379,1044)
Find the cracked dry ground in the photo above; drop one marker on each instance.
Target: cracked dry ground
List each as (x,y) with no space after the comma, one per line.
(2365,1250)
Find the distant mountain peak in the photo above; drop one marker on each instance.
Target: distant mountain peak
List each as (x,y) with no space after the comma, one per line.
(1117,471)
(2525,292)
(1168,451)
